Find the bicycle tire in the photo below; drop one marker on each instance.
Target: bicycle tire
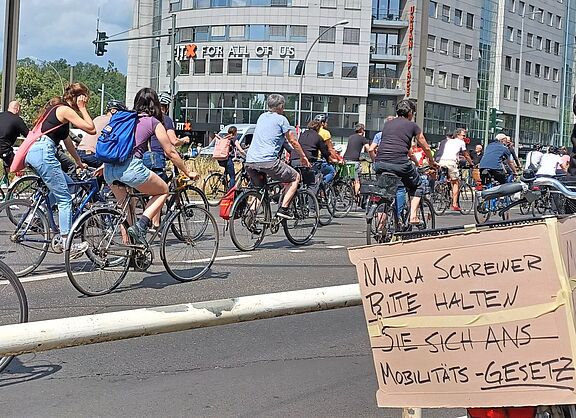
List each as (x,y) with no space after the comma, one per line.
(306,212)
(24,236)
(482,212)
(344,198)
(376,223)
(426,214)
(196,227)
(249,220)
(213,188)
(12,312)
(326,201)
(466,198)
(440,197)
(96,271)
(24,188)
(196,196)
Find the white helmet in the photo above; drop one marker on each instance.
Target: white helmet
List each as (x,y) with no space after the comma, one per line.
(165,98)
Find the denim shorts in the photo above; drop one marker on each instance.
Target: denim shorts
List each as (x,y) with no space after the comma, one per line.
(132,173)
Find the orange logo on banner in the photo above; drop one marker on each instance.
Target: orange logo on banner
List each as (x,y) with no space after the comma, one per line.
(187,126)
(191,51)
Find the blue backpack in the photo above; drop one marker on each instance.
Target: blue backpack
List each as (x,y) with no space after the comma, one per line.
(116,142)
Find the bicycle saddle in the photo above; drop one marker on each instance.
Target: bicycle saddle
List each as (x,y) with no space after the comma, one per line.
(503,190)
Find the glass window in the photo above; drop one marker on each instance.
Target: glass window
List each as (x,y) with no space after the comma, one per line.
(508,63)
(550,19)
(432,9)
(531,11)
(541,14)
(469,20)
(455,82)
(201,33)
(431,43)
(554,101)
(519,36)
(510,33)
(555,74)
(186,34)
(546,73)
(521,8)
(298,33)
(445,13)
(558,22)
(295,68)
(236,31)
(443,46)
(259,3)
(530,40)
(466,84)
(548,46)
(349,70)
(526,96)
(201,4)
(515,94)
(238,3)
(528,68)
(218,33)
(329,37)
(277,32)
(458,17)
(536,98)
(456,48)
(254,66)
(517,65)
(539,42)
(537,72)
(325,69)
(328,3)
(442,79)
(219,3)
(351,36)
(216,66)
(234,66)
(185,67)
(556,48)
(200,66)
(257,33)
(276,67)
(468,52)
(429,76)
(507,92)
(545,99)
(353,4)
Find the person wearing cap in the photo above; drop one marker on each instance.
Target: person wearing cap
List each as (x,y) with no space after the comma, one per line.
(357,143)
(491,163)
(87,146)
(327,170)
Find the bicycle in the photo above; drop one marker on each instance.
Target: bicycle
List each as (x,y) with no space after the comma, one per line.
(189,243)
(441,196)
(343,190)
(324,193)
(28,229)
(383,217)
(13,302)
(251,215)
(215,185)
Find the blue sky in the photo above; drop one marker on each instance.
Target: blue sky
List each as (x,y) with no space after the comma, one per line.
(51,30)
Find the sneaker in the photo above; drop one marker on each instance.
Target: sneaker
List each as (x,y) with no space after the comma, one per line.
(138,234)
(58,245)
(284,213)
(78,249)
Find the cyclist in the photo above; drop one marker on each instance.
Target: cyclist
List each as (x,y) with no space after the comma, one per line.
(11,126)
(327,170)
(495,155)
(357,143)
(63,111)
(272,128)
(450,156)
(393,150)
(234,149)
(552,164)
(533,158)
(87,146)
(134,173)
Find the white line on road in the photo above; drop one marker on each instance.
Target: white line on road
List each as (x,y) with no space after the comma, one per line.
(296,251)
(229,257)
(44,277)
(335,247)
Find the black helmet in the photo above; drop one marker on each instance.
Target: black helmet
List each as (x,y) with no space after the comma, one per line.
(115,104)
(321,117)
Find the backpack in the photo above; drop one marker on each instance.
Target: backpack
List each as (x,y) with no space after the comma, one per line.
(221,149)
(227,202)
(116,142)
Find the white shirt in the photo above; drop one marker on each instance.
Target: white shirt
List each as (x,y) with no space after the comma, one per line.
(452,149)
(534,158)
(548,165)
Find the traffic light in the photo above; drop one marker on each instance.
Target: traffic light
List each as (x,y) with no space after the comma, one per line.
(495,121)
(100,44)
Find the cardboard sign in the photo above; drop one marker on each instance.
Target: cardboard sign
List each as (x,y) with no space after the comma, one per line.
(484,318)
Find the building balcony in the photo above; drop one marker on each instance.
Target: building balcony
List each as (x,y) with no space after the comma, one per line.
(387,53)
(386,86)
(388,19)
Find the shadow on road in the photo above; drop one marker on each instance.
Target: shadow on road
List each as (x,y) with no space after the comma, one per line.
(17,372)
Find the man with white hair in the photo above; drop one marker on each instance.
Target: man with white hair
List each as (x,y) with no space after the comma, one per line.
(11,127)
(272,129)
(495,154)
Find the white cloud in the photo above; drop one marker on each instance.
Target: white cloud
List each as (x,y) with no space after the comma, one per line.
(51,30)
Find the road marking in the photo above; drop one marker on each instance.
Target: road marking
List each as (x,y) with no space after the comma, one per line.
(335,247)
(229,257)
(44,277)
(296,251)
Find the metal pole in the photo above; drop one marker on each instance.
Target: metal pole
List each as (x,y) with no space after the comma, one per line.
(517,122)
(422,57)
(82,330)
(172,66)
(563,104)
(342,22)
(71,80)
(102,100)
(11,28)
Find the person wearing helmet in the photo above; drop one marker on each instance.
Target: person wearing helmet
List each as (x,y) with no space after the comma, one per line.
(327,170)
(87,146)
(154,159)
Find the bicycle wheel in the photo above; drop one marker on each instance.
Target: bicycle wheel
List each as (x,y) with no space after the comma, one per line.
(249,219)
(440,198)
(103,266)
(381,224)
(306,209)
(426,215)
(466,198)
(195,196)
(24,236)
(326,203)
(344,194)
(189,254)
(13,303)
(24,188)
(482,211)
(213,188)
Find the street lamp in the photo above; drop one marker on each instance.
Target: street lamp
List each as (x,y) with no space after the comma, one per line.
(303,70)
(517,124)
(102,91)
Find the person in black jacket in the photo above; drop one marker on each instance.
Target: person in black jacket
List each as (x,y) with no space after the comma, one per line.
(313,146)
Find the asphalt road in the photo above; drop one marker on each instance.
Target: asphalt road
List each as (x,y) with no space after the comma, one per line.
(311,365)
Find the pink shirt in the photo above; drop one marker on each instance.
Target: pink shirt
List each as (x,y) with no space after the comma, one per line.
(144,130)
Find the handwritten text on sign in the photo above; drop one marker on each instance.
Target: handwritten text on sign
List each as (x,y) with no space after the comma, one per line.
(475,320)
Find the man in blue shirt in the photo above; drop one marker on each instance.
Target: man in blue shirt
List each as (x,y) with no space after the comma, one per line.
(272,128)
(495,154)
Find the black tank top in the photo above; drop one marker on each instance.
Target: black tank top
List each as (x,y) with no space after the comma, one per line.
(51,121)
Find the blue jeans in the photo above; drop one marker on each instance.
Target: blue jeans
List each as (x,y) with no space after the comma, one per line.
(400,200)
(229,171)
(42,158)
(328,171)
